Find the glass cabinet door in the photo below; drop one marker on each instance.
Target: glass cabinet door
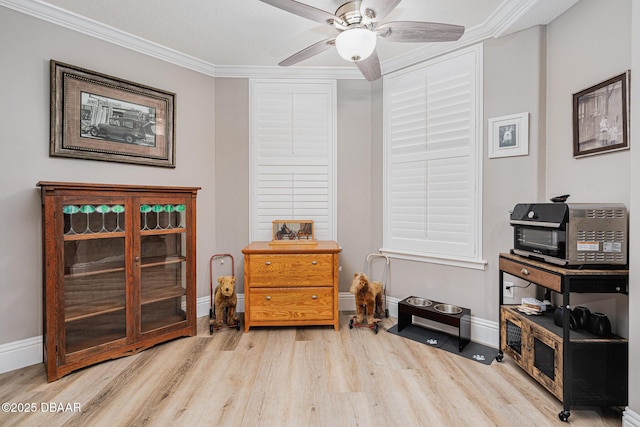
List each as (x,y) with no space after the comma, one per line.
(162,263)
(94,287)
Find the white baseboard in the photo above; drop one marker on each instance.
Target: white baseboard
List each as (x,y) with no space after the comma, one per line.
(18,354)
(630,418)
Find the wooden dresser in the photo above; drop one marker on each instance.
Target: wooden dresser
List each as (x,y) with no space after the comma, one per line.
(291,284)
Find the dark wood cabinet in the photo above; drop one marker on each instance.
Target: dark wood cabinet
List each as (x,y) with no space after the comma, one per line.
(119,270)
(579,368)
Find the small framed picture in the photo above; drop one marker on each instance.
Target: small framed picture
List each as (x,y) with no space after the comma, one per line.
(293,231)
(600,117)
(509,136)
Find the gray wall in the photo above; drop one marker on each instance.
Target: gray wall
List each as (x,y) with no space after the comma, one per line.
(232,174)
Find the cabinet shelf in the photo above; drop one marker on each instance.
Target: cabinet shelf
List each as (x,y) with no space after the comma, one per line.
(95,308)
(115,234)
(93,342)
(108,305)
(162,294)
(161,231)
(167,321)
(95,268)
(92,236)
(162,260)
(545,320)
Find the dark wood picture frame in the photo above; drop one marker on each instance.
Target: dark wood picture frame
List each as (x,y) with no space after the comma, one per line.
(99,117)
(600,117)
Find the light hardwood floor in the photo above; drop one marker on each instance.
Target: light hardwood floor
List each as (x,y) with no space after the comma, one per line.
(309,376)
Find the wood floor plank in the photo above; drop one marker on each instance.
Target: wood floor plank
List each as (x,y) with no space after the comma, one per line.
(312,376)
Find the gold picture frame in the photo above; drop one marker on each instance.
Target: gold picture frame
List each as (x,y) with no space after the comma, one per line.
(288,231)
(99,117)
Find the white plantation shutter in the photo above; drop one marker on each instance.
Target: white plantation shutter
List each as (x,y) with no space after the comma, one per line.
(293,155)
(433,159)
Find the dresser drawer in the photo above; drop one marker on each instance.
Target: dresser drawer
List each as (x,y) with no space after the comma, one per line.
(291,304)
(291,270)
(532,274)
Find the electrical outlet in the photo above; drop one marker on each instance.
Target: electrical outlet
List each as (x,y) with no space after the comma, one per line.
(507,290)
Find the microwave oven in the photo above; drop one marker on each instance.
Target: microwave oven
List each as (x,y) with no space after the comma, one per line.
(571,234)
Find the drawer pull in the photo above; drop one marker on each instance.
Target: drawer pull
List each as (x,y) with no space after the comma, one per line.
(524,271)
(267,263)
(314,262)
(268,297)
(314,296)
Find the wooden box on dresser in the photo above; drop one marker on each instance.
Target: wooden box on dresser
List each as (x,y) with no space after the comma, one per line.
(291,284)
(119,270)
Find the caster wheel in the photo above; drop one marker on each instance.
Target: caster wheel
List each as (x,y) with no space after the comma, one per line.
(351,324)
(375,329)
(564,415)
(386,312)
(238,325)
(210,329)
(499,357)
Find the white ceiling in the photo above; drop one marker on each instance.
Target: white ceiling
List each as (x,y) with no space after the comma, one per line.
(252,33)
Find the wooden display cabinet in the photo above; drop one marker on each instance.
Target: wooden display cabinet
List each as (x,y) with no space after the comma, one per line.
(579,368)
(291,285)
(119,270)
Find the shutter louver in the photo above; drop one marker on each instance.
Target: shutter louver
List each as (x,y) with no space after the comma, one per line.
(293,143)
(431,196)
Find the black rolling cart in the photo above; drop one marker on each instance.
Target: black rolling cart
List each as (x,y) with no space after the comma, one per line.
(578,367)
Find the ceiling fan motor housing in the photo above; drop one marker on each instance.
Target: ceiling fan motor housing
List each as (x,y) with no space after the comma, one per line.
(350,15)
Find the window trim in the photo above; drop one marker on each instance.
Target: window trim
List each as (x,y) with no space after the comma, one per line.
(476,262)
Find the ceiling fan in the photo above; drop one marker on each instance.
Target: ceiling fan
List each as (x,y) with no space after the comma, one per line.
(359,25)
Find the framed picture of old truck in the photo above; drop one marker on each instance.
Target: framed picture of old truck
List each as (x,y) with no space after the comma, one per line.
(99,117)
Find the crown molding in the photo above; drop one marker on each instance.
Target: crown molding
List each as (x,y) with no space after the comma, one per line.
(505,16)
(90,27)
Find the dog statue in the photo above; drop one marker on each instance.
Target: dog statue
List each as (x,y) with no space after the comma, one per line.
(225,298)
(368,297)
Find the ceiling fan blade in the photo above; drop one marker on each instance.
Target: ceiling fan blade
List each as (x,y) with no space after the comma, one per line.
(376,10)
(370,67)
(308,52)
(304,10)
(411,31)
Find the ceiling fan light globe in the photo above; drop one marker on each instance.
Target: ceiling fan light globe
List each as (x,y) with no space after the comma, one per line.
(356,44)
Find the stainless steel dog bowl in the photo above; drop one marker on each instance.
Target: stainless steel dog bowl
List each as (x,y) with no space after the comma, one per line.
(418,302)
(447,308)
